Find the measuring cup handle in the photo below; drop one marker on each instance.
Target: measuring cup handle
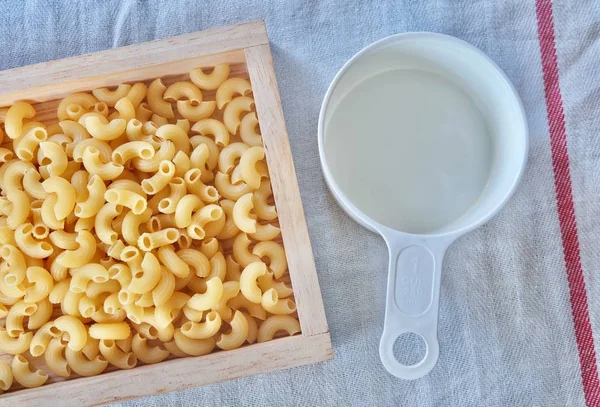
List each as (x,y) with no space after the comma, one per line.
(412,302)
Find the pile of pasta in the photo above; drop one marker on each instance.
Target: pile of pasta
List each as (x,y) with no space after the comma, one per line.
(137,227)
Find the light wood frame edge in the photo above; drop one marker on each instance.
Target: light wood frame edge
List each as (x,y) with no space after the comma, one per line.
(286,192)
(46,77)
(177,374)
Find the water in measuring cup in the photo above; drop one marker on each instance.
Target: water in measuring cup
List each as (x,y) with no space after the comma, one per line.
(410,149)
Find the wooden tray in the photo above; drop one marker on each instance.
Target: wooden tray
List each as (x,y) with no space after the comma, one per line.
(246,48)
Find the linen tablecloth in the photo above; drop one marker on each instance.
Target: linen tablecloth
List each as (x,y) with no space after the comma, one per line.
(520,308)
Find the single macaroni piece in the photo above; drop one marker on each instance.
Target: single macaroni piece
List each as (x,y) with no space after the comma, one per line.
(176,134)
(196,260)
(137,93)
(274,252)
(103,148)
(271,302)
(105,131)
(248,132)
(85,100)
(164,175)
(149,241)
(147,277)
(193,347)
(14,318)
(131,225)
(40,284)
(117,356)
(133,149)
(183,91)
(104,223)
(202,330)
(55,359)
(65,195)
(277,323)
(13,122)
(209,299)
(115,331)
(241,251)
(210,81)
(95,198)
(230,156)
(28,245)
(213,128)
(125,108)
(173,263)
(166,151)
(85,274)
(16,264)
(111,97)
(241,214)
(6,376)
(265,232)
(238,334)
(231,87)
(156,102)
(164,288)
(80,256)
(248,161)
(52,158)
(94,165)
(147,354)
(30,142)
(128,199)
(178,189)
(42,338)
(83,365)
(14,345)
(24,376)
(198,112)
(75,329)
(261,206)
(233,111)
(248,281)
(203,219)
(228,190)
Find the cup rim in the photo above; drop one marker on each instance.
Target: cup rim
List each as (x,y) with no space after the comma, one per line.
(347,205)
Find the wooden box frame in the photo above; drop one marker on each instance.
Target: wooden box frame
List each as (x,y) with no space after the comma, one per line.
(246,45)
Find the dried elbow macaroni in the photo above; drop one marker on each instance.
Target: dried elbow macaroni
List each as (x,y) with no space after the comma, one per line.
(138,227)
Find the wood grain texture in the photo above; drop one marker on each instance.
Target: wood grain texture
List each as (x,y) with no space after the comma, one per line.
(285,191)
(177,374)
(125,64)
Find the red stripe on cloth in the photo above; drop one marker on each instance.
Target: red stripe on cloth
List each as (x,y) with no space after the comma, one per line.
(566,209)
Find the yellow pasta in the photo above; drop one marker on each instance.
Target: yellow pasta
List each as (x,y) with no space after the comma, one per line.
(238,334)
(24,376)
(156,102)
(117,356)
(248,132)
(94,165)
(277,323)
(55,358)
(121,211)
(193,347)
(164,175)
(213,128)
(231,87)
(13,122)
(248,281)
(52,158)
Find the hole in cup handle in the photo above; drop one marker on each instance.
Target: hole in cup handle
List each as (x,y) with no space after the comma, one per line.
(412,300)
(409,372)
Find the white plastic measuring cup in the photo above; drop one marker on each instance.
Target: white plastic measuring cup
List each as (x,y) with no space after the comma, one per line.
(422,138)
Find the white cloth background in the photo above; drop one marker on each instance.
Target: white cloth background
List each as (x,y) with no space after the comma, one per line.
(506,325)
